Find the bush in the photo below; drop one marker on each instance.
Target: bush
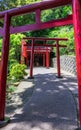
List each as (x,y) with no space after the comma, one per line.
(17,72)
(15,49)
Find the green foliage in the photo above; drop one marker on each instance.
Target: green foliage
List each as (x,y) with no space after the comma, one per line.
(56,13)
(17,72)
(11,89)
(65,32)
(15,49)
(46,15)
(8,4)
(23,19)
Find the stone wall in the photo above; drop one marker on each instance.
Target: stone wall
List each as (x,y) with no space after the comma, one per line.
(67,64)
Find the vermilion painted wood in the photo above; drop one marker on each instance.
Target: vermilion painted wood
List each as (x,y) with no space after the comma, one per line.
(33,7)
(45,39)
(58,59)
(77,34)
(26,57)
(47,58)
(38,16)
(1,31)
(43,59)
(23,51)
(39,26)
(27,60)
(4,61)
(42,50)
(32,59)
(24,48)
(39,50)
(47,45)
(33,27)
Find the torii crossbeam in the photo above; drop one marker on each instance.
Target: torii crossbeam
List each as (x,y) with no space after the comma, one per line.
(74,19)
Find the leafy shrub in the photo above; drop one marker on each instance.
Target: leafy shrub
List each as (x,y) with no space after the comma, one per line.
(15,49)
(17,71)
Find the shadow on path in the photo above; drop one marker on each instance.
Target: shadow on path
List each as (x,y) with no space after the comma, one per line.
(52,106)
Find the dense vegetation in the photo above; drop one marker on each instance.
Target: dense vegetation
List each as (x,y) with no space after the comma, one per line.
(15,40)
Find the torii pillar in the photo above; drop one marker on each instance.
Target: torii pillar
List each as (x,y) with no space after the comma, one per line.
(31,60)
(43,60)
(47,58)
(58,60)
(77,34)
(23,51)
(3,74)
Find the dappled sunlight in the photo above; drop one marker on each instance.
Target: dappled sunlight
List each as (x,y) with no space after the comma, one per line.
(61,87)
(20,96)
(38,90)
(51,106)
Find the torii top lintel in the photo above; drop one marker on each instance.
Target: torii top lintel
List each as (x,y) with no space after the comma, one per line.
(38,24)
(45,39)
(33,7)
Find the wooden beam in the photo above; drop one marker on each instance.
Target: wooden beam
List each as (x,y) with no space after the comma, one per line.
(49,24)
(45,39)
(33,7)
(47,45)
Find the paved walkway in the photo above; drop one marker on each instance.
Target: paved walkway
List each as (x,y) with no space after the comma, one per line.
(52,105)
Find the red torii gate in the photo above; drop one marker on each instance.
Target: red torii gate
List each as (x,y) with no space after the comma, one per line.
(26,51)
(34,39)
(74,19)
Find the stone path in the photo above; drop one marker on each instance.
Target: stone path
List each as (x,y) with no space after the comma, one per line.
(52,105)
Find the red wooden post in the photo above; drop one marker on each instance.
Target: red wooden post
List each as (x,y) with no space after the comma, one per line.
(58,59)
(38,16)
(31,60)
(21,58)
(26,56)
(27,59)
(47,58)
(77,34)
(23,51)
(4,61)
(43,59)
